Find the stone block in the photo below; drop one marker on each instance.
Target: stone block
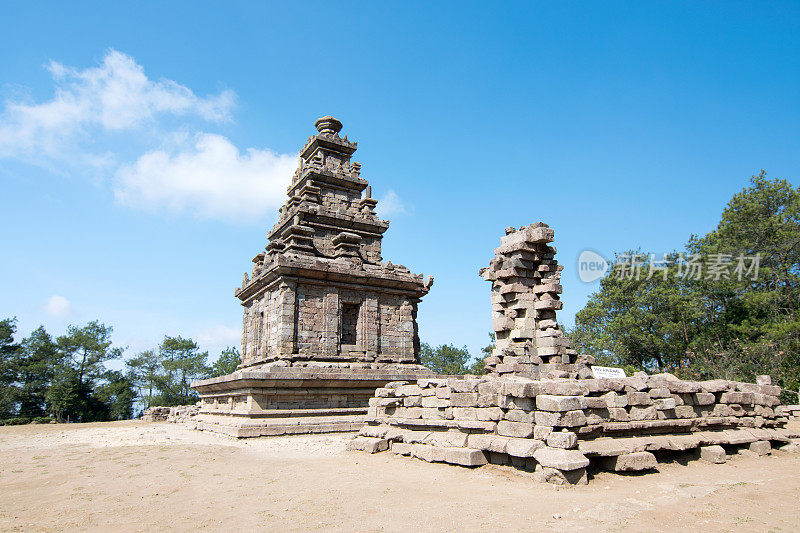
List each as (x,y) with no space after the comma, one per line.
(514,429)
(518,415)
(463,385)
(618,414)
(520,389)
(488,413)
(518,447)
(715,385)
(492,443)
(595,402)
(465,413)
(643,413)
(489,387)
(547,402)
(560,459)
(432,401)
(557,477)
(514,402)
(432,413)
(683,387)
(713,454)
(464,399)
(563,388)
(561,419)
(629,462)
(761,447)
(464,457)
(408,390)
(442,392)
(401,448)
(660,392)
(412,401)
(541,432)
(613,399)
(663,404)
(562,439)
(639,398)
(447,438)
(368,444)
(704,398)
(428,453)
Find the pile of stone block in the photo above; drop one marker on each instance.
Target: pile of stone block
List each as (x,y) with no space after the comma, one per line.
(556,428)
(175,414)
(526,286)
(792,412)
(183,413)
(155,414)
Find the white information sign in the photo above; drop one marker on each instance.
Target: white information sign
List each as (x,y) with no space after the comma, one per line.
(607,372)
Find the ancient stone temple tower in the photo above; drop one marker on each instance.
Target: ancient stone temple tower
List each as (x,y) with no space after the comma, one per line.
(326,322)
(526,284)
(319,292)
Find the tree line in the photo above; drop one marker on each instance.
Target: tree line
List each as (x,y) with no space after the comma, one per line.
(65,378)
(723,306)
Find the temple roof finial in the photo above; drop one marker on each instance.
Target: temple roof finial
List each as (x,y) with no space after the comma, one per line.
(328,125)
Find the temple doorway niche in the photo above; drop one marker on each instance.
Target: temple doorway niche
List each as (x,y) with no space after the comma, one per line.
(350,313)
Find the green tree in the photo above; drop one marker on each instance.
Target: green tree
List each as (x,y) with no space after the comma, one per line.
(9,351)
(183,363)
(735,322)
(755,313)
(478,367)
(89,347)
(38,363)
(64,396)
(117,394)
(145,371)
(227,363)
(82,351)
(445,359)
(640,317)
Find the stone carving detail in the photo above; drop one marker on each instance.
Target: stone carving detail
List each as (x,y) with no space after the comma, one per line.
(319,293)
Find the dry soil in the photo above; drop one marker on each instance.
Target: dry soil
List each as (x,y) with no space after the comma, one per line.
(135,476)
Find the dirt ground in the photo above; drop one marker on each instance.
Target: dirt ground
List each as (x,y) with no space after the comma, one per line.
(135,476)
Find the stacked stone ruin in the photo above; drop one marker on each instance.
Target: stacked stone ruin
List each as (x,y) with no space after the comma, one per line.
(532,412)
(526,284)
(556,428)
(326,321)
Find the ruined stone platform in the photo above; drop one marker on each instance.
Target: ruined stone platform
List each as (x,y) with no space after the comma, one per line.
(292,400)
(558,428)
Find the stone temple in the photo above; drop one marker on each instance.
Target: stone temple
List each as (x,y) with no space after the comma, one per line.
(326,321)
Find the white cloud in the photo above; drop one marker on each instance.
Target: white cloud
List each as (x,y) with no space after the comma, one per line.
(210,178)
(390,204)
(58,306)
(219,335)
(114,121)
(115,96)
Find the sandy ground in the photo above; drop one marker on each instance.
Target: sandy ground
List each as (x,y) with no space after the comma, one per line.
(134,476)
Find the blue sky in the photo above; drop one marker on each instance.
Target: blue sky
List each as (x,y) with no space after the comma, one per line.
(144,146)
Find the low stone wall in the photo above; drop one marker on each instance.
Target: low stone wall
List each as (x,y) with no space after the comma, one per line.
(183,413)
(155,414)
(557,428)
(175,414)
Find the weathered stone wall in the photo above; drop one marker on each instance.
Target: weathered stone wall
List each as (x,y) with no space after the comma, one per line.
(155,414)
(178,413)
(555,428)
